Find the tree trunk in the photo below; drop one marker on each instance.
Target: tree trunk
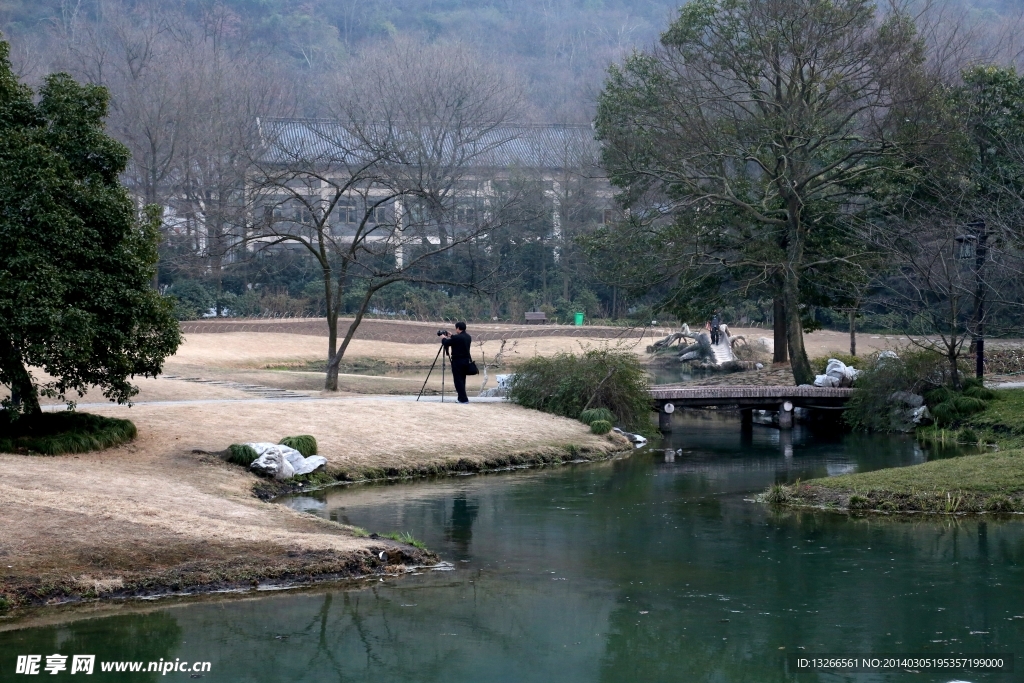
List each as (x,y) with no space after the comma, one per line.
(853,333)
(951,356)
(781,345)
(22,389)
(802,373)
(332,366)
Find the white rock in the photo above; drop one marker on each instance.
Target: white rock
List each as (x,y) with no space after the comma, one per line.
(921,415)
(634,439)
(282,462)
(274,464)
(843,374)
(827,381)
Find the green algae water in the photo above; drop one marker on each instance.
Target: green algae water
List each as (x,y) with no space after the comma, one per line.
(654,567)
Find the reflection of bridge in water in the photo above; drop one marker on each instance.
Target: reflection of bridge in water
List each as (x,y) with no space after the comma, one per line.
(668,397)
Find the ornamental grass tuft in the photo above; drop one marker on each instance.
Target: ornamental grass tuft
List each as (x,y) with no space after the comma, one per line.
(304,443)
(63,432)
(241,454)
(592,415)
(565,384)
(600,426)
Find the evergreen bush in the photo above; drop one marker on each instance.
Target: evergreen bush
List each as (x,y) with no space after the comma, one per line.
(63,432)
(241,454)
(304,443)
(566,383)
(192,299)
(600,426)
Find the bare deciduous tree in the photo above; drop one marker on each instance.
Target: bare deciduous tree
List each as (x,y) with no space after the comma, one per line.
(393,180)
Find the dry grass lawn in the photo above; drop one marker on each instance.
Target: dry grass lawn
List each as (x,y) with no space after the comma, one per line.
(155,515)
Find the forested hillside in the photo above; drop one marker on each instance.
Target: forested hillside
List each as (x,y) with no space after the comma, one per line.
(562,47)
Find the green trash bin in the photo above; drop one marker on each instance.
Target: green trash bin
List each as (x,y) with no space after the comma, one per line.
(579,319)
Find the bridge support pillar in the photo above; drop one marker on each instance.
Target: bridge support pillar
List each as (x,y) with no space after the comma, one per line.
(786,415)
(746,417)
(665,417)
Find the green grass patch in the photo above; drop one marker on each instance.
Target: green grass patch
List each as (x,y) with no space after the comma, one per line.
(1002,419)
(989,482)
(241,454)
(304,443)
(988,473)
(406,538)
(62,433)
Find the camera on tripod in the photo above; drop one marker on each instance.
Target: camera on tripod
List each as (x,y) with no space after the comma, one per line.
(442,333)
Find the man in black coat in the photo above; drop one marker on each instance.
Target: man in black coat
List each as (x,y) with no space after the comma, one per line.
(458,345)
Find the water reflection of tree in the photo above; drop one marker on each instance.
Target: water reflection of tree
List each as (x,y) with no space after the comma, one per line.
(458,528)
(133,637)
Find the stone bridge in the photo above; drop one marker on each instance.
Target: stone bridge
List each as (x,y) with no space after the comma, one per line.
(668,397)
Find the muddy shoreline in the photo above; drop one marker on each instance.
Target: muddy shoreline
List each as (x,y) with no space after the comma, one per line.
(269,489)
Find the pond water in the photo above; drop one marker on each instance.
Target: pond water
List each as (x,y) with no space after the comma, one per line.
(648,568)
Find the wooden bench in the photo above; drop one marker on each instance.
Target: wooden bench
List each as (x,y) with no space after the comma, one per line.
(539,317)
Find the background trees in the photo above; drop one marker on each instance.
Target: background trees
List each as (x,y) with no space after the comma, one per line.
(189,83)
(77,259)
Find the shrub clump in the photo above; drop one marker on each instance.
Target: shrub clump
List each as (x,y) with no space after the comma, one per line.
(999,503)
(858,502)
(241,454)
(63,432)
(922,372)
(777,494)
(592,415)
(600,426)
(304,443)
(968,436)
(566,383)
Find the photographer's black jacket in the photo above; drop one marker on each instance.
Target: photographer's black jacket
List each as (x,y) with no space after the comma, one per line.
(458,344)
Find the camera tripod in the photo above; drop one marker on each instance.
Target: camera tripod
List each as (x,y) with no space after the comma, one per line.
(445,350)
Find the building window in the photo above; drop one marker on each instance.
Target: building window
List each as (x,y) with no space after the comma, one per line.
(607,216)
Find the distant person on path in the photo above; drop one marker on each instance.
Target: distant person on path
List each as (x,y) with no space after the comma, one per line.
(715,322)
(458,345)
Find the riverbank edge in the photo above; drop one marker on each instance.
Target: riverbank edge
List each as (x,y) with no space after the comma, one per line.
(245,571)
(248,567)
(967,484)
(565,454)
(881,502)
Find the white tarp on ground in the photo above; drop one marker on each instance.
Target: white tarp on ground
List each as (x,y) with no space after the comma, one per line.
(282,462)
(837,375)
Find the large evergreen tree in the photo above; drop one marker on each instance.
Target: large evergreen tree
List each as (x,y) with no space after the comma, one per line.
(753,131)
(76,259)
